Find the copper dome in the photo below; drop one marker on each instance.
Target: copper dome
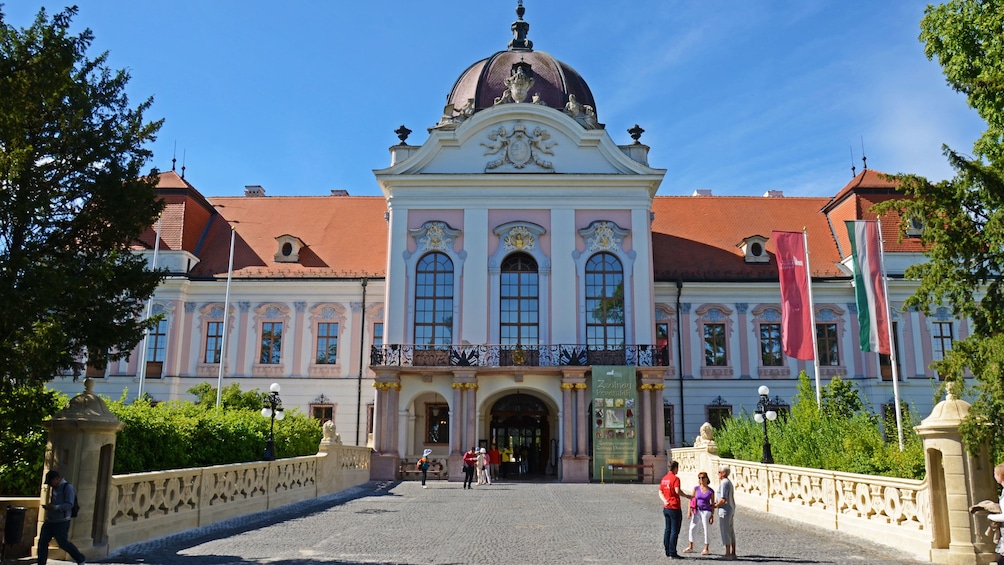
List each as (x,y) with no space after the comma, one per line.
(486,80)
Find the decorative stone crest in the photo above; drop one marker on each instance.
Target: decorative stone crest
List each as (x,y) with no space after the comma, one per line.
(519,239)
(519,148)
(434,236)
(603,236)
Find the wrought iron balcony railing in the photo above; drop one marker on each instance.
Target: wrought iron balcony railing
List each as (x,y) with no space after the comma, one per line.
(410,355)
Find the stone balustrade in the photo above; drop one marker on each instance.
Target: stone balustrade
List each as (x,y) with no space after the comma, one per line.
(885,510)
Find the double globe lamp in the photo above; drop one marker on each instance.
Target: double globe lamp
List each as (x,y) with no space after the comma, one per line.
(272,410)
(761,415)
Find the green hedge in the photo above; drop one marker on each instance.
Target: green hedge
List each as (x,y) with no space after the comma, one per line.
(181,434)
(844,436)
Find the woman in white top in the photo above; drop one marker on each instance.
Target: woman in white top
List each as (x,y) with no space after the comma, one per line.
(999,518)
(484,478)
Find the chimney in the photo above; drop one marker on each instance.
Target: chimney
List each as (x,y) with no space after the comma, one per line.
(774,194)
(254,190)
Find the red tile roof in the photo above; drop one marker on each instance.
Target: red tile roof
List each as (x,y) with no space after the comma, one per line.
(345,236)
(695,238)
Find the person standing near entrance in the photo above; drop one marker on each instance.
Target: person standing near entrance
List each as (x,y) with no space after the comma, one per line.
(58,513)
(494,460)
(470,461)
(727,512)
(672,511)
(483,467)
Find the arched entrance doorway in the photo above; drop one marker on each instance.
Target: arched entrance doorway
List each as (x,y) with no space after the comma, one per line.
(520,424)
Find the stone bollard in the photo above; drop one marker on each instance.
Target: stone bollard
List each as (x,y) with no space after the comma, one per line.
(81,447)
(956,480)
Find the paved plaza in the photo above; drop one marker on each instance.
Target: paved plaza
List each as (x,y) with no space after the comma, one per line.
(510,523)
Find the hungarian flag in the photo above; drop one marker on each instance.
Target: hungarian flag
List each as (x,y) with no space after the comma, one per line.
(869,292)
(796,309)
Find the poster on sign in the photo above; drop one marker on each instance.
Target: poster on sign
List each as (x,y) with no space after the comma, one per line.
(615,438)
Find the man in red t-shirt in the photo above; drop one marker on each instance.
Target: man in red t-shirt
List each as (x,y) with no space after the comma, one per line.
(672,511)
(470,460)
(495,458)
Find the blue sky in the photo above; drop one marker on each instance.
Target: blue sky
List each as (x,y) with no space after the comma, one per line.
(739,97)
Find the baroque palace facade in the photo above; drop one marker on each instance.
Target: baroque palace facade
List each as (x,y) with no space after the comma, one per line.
(513,252)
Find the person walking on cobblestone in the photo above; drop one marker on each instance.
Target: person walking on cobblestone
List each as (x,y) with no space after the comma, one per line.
(423,465)
(470,460)
(58,513)
(727,512)
(672,511)
(494,460)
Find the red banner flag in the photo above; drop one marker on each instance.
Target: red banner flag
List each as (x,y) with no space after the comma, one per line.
(796,308)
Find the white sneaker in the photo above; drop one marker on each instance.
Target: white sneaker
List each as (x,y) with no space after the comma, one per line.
(423,486)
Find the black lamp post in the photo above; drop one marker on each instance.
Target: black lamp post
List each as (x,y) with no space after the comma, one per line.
(272,410)
(761,415)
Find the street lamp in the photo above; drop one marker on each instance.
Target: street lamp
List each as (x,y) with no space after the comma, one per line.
(761,415)
(272,410)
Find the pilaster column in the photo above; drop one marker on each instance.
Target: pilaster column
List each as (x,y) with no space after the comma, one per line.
(644,422)
(456,432)
(393,394)
(472,413)
(567,409)
(580,409)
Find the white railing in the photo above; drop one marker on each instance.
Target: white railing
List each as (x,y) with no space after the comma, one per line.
(143,506)
(890,511)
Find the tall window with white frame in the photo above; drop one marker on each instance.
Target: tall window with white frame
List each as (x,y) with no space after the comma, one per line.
(771,352)
(662,343)
(434,301)
(604,302)
(943,336)
(271,343)
(519,301)
(327,343)
(214,342)
(715,349)
(378,334)
(829,349)
(156,349)
(885,361)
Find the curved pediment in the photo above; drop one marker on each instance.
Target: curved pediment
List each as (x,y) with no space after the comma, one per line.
(518,139)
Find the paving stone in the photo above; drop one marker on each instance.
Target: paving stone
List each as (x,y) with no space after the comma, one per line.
(507,523)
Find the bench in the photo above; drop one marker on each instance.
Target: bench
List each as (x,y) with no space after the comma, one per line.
(642,473)
(409,470)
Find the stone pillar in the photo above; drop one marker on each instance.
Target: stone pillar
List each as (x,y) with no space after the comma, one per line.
(567,411)
(575,455)
(384,459)
(81,448)
(653,453)
(956,480)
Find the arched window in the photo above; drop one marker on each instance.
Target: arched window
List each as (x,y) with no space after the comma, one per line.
(519,300)
(434,300)
(604,301)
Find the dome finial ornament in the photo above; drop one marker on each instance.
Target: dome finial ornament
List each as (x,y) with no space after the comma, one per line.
(402,134)
(635,133)
(520,28)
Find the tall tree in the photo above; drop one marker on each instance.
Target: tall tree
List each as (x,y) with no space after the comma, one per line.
(72,200)
(964,217)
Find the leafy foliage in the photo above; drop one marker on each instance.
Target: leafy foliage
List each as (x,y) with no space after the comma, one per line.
(965,36)
(22,436)
(232,396)
(842,436)
(964,216)
(72,201)
(180,434)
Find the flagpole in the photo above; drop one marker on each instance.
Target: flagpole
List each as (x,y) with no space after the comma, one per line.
(226,316)
(892,338)
(149,312)
(812,318)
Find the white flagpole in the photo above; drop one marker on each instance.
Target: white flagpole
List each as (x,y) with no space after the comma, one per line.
(149,312)
(892,338)
(226,316)
(812,318)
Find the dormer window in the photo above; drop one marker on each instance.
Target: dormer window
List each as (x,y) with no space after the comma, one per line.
(914,226)
(289,249)
(754,250)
